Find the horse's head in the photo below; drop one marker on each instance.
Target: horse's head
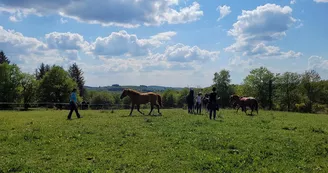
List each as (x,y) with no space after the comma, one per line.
(233,98)
(124,93)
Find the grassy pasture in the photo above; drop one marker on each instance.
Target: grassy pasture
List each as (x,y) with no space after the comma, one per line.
(44,141)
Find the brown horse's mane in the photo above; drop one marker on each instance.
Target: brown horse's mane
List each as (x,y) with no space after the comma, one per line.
(133,91)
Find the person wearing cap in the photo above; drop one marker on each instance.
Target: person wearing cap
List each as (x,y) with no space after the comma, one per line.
(73,105)
(199,103)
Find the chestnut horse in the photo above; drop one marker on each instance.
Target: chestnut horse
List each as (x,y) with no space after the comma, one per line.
(244,102)
(138,98)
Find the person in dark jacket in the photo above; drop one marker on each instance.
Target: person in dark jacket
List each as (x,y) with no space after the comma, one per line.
(213,107)
(190,101)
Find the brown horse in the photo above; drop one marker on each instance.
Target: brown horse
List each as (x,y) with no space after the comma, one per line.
(244,102)
(138,98)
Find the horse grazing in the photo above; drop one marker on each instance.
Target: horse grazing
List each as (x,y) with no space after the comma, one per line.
(138,98)
(244,102)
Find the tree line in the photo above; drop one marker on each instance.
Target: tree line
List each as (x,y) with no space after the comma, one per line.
(288,91)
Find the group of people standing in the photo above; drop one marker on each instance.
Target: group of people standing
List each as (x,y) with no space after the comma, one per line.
(209,101)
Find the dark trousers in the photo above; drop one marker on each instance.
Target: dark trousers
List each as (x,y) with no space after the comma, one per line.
(73,107)
(212,109)
(199,108)
(190,107)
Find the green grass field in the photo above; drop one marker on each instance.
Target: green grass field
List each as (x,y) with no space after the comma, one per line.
(44,141)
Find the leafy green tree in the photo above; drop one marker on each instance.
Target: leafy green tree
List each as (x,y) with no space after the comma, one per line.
(287,90)
(256,84)
(224,89)
(3,58)
(309,87)
(168,99)
(77,75)
(116,97)
(29,89)
(10,77)
(102,97)
(56,86)
(181,97)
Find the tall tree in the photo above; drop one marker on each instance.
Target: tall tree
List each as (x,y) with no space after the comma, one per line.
(77,75)
(47,68)
(310,89)
(3,58)
(41,71)
(56,86)
(224,89)
(10,77)
(29,85)
(287,90)
(257,85)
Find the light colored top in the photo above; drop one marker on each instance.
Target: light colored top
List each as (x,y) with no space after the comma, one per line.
(73,97)
(199,99)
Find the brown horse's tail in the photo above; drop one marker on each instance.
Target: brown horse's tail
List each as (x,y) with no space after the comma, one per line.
(159,100)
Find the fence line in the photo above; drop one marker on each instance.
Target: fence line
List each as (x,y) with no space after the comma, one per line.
(65,106)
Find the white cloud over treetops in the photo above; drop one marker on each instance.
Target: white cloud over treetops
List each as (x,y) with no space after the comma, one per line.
(119,52)
(256,29)
(125,13)
(318,63)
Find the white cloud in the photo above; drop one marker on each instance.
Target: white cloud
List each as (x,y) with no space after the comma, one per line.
(183,53)
(240,65)
(122,43)
(63,21)
(259,27)
(63,48)
(109,12)
(224,11)
(293,2)
(321,1)
(263,51)
(28,51)
(66,41)
(318,63)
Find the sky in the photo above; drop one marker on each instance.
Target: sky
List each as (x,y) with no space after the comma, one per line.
(174,43)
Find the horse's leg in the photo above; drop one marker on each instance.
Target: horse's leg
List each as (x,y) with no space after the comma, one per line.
(138,108)
(252,108)
(158,109)
(132,107)
(151,108)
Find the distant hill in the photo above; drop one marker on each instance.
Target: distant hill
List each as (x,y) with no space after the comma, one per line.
(143,88)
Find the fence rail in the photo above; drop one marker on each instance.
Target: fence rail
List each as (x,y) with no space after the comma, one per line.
(65,106)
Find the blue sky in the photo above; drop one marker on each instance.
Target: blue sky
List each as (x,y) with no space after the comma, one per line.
(172,42)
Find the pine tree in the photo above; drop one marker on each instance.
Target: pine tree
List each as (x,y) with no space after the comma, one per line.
(41,71)
(77,75)
(47,68)
(3,58)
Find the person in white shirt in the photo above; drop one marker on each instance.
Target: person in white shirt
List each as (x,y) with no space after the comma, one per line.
(199,103)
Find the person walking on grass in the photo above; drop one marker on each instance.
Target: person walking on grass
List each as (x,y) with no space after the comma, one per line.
(73,105)
(199,103)
(212,103)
